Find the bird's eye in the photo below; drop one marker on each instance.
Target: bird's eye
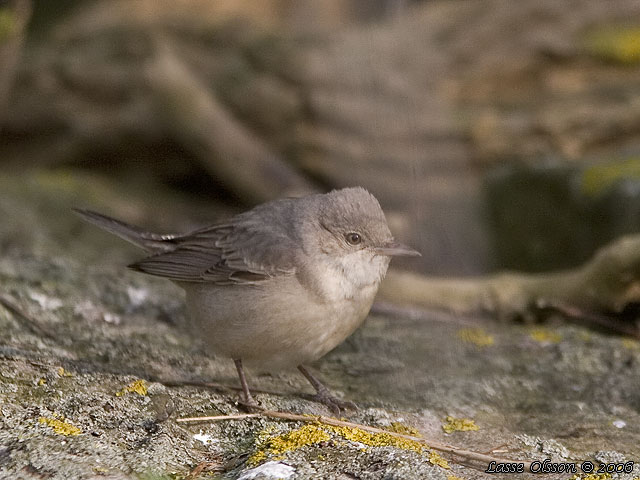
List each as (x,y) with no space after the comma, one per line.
(353,238)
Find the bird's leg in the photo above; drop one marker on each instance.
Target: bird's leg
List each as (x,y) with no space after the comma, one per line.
(324,395)
(247,398)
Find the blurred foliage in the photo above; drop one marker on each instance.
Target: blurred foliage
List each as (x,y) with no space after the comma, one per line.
(615,44)
(46,14)
(599,178)
(551,216)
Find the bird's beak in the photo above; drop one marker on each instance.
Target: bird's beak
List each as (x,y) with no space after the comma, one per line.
(396,249)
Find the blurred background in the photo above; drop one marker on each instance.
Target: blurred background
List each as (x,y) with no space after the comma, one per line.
(496,134)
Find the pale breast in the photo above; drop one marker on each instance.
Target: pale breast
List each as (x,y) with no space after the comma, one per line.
(281,323)
(352,276)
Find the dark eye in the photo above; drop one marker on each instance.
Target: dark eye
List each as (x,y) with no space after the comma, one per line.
(353,238)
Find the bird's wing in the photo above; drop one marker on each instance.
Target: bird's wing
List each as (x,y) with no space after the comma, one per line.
(246,250)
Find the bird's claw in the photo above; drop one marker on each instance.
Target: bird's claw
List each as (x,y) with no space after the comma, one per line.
(335,404)
(250,405)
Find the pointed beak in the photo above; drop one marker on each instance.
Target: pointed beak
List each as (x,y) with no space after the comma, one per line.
(396,249)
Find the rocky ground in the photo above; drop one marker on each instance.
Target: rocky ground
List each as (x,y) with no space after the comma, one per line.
(91,354)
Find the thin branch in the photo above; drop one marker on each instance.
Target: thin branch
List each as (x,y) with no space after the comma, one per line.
(607,321)
(441,447)
(423,313)
(217,418)
(201,467)
(608,282)
(31,323)
(216,386)
(234,154)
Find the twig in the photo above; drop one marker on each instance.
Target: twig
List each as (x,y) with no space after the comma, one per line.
(239,416)
(418,313)
(441,447)
(217,386)
(605,283)
(198,469)
(32,324)
(607,321)
(235,155)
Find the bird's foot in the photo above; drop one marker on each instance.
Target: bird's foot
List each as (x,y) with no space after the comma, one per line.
(251,406)
(335,404)
(324,395)
(247,400)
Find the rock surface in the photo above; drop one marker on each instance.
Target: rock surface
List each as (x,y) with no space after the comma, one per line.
(72,404)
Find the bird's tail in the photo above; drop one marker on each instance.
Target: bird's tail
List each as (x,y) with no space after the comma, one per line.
(151,242)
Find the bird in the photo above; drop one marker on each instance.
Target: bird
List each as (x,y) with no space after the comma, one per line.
(277,286)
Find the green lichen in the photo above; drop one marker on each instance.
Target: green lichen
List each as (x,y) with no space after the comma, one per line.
(615,44)
(599,178)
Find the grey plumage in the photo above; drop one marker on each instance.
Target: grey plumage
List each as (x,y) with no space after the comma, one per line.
(254,246)
(278,285)
(151,242)
(239,251)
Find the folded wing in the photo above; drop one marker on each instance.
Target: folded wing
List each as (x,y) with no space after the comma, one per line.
(254,247)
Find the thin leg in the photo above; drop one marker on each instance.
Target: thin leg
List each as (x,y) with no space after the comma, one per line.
(324,395)
(248,399)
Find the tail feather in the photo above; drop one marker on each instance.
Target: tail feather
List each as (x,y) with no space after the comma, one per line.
(151,242)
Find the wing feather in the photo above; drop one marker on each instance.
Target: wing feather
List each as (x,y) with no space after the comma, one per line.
(252,248)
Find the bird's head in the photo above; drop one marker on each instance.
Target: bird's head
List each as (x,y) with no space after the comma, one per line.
(352,233)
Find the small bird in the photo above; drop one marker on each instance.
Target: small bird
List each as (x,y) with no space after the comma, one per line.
(277,286)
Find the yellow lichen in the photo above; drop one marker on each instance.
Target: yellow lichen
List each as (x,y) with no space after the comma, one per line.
(8,23)
(630,344)
(453,477)
(276,446)
(139,387)
(436,459)
(257,457)
(63,373)
(296,439)
(376,439)
(60,426)
(454,424)
(542,335)
(42,381)
(617,44)
(591,476)
(477,336)
(584,336)
(398,427)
